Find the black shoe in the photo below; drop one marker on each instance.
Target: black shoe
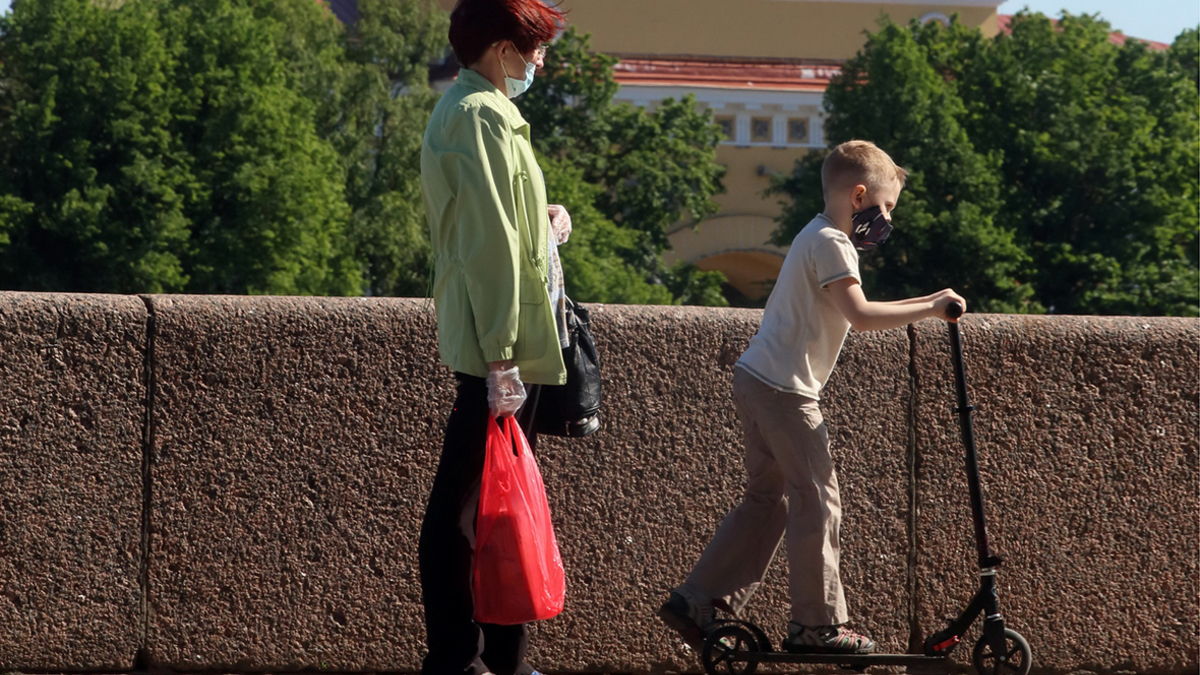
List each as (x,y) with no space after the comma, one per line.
(686,618)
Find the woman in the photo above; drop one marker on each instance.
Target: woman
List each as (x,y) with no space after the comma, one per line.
(498,292)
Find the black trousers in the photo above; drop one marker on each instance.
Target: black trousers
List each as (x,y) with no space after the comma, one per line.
(456,643)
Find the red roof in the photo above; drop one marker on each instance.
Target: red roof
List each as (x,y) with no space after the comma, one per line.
(750,73)
(1116,37)
(726,73)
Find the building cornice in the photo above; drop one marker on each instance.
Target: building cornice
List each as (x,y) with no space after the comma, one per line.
(924,3)
(811,75)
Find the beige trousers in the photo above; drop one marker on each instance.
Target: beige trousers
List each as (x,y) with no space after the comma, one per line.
(790,486)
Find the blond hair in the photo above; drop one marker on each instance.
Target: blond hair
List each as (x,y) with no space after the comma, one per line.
(859,163)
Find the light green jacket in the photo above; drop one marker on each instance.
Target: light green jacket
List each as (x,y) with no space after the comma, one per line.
(486,204)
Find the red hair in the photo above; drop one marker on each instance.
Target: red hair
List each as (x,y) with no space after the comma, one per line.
(475,25)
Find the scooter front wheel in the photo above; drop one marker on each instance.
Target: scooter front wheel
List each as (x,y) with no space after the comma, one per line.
(1016,658)
(730,650)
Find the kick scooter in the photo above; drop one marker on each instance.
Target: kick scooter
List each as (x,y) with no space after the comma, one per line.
(734,647)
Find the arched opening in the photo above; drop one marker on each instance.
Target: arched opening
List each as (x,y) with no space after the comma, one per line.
(751,274)
(935,16)
(738,247)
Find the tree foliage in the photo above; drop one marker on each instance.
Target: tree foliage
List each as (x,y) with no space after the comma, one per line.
(379,132)
(594,258)
(231,146)
(625,174)
(354,77)
(1051,170)
(259,146)
(158,147)
(94,193)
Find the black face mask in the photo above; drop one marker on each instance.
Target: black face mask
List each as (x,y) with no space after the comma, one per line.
(870,229)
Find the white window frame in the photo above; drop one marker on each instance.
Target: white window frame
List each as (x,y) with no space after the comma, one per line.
(753,102)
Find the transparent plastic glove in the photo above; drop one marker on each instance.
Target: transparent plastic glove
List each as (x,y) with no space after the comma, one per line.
(560,223)
(506,393)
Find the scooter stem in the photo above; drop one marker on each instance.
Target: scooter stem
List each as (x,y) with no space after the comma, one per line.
(986,559)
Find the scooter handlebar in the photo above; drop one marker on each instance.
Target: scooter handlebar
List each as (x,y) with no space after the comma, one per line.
(954,310)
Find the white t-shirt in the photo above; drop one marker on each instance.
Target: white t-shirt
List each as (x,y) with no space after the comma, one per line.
(802,331)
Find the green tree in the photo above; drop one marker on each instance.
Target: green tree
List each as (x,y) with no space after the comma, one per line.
(387,102)
(93,190)
(594,258)
(1185,54)
(1100,163)
(268,213)
(1051,169)
(258,146)
(160,147)
(369,85)
(640,172)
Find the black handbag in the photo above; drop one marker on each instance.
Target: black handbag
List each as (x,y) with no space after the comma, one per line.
(573,409)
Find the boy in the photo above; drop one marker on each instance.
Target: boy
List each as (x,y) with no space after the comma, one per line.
(791,483)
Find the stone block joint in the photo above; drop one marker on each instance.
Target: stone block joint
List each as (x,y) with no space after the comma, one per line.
(141,656)
(912,465)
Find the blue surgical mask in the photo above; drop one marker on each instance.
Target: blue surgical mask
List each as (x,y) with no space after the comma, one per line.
(871,229)
(517,87)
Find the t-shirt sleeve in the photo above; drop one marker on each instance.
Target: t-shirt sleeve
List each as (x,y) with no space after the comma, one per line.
(835,259)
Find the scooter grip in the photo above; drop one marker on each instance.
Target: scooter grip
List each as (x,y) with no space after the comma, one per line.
(954,310)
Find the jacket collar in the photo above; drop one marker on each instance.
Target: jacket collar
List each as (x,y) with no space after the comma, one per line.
(473,81)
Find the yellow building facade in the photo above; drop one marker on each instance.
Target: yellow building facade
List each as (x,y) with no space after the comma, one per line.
(761,67)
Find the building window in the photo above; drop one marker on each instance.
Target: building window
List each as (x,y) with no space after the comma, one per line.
(726,124)
(760,130)
(797,131)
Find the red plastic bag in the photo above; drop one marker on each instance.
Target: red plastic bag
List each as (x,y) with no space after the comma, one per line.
(518,572)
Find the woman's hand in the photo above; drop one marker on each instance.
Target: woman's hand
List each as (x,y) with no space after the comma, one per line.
(506,393)
(560,223)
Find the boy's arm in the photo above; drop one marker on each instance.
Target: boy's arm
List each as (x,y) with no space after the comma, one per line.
(865,315)
(907,301)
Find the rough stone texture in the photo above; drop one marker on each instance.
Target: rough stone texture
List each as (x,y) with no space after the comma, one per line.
(72,373)
(635,504)
(271,446)
(1086,431)
(294,443)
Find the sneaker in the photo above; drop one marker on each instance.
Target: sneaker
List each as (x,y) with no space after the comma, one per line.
(689,618)
(826,640)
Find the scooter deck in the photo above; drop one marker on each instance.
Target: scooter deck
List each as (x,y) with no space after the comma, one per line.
(864,660)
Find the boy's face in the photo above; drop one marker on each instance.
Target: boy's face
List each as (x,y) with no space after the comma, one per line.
(885,197)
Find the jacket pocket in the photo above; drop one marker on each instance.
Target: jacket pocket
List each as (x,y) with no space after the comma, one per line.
(531,252)
(535,327)
(533,290)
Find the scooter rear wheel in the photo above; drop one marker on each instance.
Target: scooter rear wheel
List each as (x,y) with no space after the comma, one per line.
(730,650)
(1016,659)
